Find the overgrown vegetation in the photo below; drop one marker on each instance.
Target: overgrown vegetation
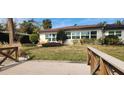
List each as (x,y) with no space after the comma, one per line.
(89,41)
(110,40)
(76,53)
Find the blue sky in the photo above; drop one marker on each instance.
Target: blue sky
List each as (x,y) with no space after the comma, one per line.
(62,22)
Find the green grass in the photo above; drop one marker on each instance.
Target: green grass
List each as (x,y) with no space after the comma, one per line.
(76,53)
(115,51)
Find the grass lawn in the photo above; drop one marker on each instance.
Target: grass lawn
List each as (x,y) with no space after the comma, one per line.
(115,51)
(76,53)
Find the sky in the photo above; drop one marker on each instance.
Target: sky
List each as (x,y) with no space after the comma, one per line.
(62,22)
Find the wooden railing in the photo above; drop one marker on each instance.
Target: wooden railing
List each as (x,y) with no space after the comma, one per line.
(104,64)
(8,53)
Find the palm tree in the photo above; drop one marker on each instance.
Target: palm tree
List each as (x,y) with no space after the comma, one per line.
(47,24)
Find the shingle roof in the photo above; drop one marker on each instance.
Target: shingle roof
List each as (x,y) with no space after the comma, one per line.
(106,27)
(113,26)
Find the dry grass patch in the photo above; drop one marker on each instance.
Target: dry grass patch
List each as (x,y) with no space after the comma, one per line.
(76,53)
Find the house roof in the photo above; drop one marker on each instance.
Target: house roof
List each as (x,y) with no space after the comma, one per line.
(113,26)
(106,27)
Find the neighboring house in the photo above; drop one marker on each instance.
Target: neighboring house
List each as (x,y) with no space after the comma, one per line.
(84,31)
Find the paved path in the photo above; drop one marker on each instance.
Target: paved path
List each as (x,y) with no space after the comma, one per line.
(47,68)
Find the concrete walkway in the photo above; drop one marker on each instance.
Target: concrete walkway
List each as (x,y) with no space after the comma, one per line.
(42,67)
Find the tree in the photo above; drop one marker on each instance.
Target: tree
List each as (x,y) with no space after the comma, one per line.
(61,36)
(75,24)
(102,23)
(2,27)
(47,24)
(33,38)
(118,22)
(122,22)
(27,27)
(10,28)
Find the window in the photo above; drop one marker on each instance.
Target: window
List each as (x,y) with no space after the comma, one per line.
(50,37)
(93,34)
(84,35)
(118,33)
(111,33)
(53,37)
(68,35)
(75,35)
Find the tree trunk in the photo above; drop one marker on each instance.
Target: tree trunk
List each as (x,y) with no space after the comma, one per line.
(10,28)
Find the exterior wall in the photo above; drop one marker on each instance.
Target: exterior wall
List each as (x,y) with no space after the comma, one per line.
(42,38)
(122,36)
(99,33)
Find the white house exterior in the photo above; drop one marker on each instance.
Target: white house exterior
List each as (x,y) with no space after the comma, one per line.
(85,31)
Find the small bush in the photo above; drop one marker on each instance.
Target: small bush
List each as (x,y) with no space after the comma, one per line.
(101,41)
(4,37)
(76,42)
(24,39)
(34,38)
(82,41)
(88,41)
(110,40)
(52,44)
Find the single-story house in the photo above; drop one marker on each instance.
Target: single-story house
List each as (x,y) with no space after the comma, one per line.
(83,31)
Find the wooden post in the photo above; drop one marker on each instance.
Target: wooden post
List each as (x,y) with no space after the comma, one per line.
(103,70)
(10,28)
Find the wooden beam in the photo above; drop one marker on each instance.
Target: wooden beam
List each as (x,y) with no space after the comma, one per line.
(10,28)
(108,64)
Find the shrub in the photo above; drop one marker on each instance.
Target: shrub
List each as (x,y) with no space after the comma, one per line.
(75,42)
(52,44)
(88,41)
(101,41)
(33,38)
(4,37)
(110,40)
(82,41)
(61,36)
(24,39)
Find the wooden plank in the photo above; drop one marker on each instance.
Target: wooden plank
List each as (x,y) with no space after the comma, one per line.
(95,69)
(103,70)
(9,47)
(116,63)
(8,54)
